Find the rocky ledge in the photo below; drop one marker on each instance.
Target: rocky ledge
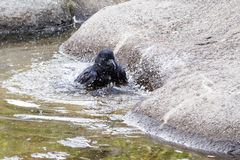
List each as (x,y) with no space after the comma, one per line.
(187,53)
(21,17)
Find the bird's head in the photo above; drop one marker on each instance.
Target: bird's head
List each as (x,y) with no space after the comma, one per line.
(106,60)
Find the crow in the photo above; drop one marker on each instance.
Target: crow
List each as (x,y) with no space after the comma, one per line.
(104,71)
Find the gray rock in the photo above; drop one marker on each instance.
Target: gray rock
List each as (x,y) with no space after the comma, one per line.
(83,9)
(32,16)
(132,30)
(188,53)
(45,16)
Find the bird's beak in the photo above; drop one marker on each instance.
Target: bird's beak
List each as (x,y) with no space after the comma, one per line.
(112,63)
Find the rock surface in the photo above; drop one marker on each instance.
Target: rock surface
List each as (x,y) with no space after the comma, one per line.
(83,9)
(32,16)
(188,53)
(45,16)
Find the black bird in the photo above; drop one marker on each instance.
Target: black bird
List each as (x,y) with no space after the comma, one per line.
(104,71)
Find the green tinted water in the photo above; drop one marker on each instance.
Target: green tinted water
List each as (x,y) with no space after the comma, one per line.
(57,112)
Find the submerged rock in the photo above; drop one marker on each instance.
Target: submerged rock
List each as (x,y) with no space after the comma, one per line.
(188,53)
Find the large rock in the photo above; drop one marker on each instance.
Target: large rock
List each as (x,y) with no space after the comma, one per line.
(132,30)
(188,53)
(83,9)
(45,16)
(32,16)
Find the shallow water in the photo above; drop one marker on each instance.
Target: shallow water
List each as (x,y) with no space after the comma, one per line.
(44,115)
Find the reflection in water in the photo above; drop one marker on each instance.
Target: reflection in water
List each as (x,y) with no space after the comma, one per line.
(22,103)
(77,142)
(51,155)
(12,158)
(44,114)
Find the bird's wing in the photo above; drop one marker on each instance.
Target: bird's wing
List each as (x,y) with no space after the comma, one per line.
(122,76)
(87,77)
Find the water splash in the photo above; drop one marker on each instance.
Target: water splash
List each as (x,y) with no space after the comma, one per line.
(50,81)
(53,81)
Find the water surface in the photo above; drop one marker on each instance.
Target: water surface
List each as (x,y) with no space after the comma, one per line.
(45,115)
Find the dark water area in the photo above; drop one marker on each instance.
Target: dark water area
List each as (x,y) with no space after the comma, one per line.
(44,115)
